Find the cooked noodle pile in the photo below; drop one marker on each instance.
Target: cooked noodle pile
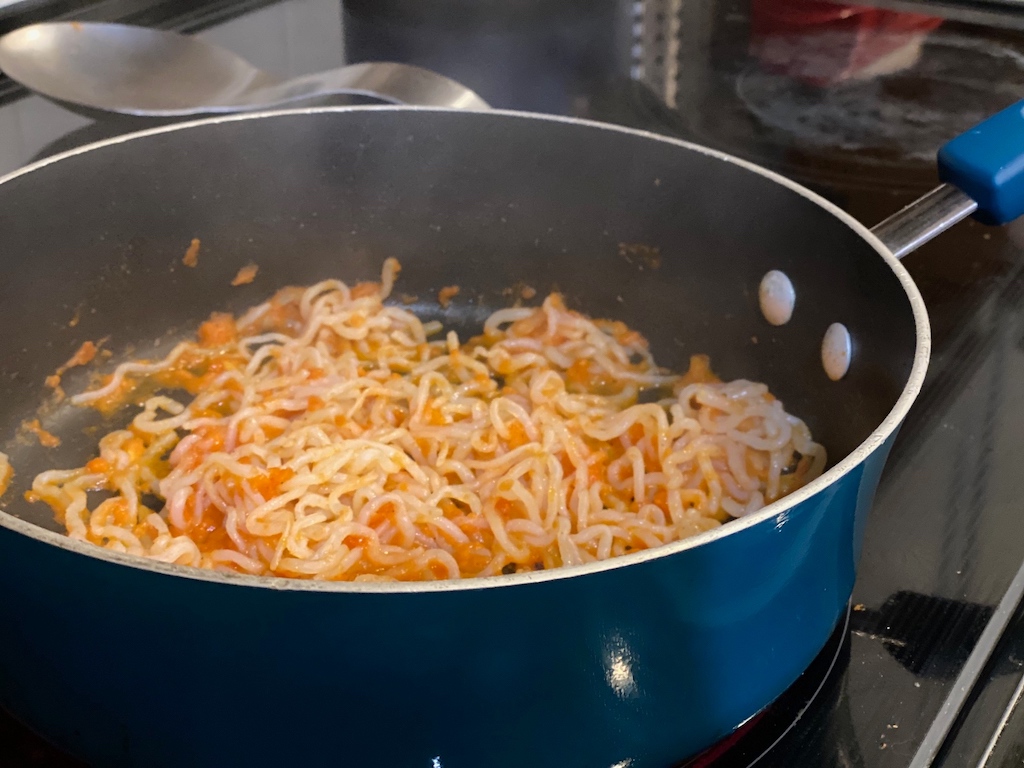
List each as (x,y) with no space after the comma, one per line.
(326,437)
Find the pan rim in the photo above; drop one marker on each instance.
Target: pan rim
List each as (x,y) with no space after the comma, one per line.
(776,511)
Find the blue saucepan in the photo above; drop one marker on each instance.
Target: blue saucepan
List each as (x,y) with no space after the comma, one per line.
(637,661)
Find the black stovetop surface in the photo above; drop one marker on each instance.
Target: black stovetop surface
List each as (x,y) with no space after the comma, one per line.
(930,666)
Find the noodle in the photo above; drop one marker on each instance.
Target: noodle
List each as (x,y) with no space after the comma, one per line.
(325,436)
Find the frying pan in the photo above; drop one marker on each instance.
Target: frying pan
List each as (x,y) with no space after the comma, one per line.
(637,661)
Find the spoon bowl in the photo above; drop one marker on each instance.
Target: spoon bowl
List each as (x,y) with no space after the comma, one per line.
(155,73)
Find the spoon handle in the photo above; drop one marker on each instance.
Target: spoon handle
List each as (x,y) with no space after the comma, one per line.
(387,81)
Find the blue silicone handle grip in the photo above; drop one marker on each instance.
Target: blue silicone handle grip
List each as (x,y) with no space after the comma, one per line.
(987,163)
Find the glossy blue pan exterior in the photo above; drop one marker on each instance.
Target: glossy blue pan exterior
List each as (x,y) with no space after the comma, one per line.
(650,662)
(637,662)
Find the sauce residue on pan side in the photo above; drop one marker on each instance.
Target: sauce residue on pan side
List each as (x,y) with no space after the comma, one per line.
(191,257)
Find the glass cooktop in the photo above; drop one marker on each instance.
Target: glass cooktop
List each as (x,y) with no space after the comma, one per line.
(928,666)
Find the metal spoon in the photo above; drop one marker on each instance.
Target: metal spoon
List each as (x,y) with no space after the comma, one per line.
(154,73)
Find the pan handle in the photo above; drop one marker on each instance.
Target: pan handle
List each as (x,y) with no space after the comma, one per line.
(983,174)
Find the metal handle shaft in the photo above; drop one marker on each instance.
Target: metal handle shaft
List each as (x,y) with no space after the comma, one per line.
(923,219)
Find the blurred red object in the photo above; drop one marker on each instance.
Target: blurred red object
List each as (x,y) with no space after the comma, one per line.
(825,43)
(712,755)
